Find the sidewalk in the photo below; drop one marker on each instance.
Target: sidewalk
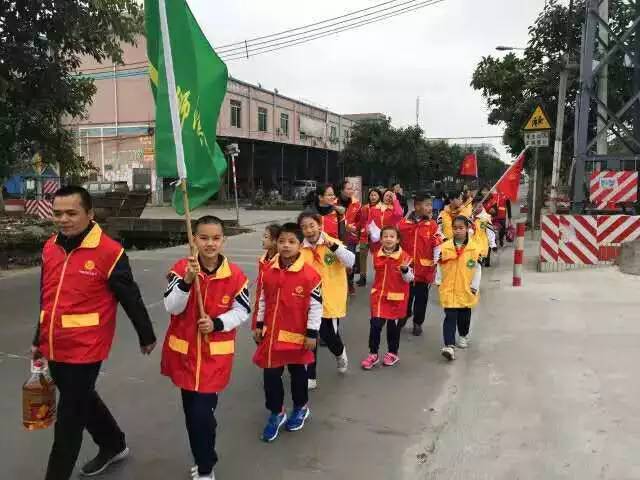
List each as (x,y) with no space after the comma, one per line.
(549,387)
(247,217)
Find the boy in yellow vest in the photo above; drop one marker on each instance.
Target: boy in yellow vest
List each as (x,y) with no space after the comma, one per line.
(331,259)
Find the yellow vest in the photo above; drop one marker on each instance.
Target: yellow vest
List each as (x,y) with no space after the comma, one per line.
(334,278)
(466,210)
(481,224)
(456,275)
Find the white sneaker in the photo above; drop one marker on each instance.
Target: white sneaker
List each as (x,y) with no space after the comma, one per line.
(196,476)
(448,353)
(343,361)
(463,342)
(312,384)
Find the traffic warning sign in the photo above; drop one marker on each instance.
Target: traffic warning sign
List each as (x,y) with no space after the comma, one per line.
(538,121)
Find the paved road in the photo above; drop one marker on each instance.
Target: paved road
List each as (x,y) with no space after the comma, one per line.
(547,391)
(364,425)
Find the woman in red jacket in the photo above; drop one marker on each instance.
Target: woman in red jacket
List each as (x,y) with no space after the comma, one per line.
(323,201)
(198,350)
(389,297)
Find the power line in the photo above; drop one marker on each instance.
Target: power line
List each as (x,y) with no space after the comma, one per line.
(463,138)
(306,26)
(291,43)
(251,43)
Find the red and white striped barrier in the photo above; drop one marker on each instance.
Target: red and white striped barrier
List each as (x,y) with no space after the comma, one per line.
(50,186)
(39,208)
(607,188)
(569,241)
(14,206)
(518,255)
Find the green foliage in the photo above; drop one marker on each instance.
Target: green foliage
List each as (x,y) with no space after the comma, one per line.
(42,43)
(383,154)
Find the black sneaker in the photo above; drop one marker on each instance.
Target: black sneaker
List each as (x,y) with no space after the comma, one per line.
(102,462)
(362,281)
(417,330)
(402,322)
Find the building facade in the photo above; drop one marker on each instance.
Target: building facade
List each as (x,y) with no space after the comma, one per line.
(282,140)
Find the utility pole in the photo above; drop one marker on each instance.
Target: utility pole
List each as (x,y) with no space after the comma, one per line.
(557,148)
(417,111)
(603,47)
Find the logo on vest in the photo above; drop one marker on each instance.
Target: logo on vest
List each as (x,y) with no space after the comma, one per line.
(226,299)
(89,269)
(298,291)
(471,263)
(329,258)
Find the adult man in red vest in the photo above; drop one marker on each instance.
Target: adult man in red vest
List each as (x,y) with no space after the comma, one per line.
(84,276)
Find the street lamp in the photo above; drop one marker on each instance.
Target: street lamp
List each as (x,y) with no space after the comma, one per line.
(502,48)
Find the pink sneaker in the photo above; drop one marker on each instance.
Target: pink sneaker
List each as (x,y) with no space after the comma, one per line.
(390,359)
(371,361)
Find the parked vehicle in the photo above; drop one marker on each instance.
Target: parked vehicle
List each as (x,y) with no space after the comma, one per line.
(98,189)
(302,188)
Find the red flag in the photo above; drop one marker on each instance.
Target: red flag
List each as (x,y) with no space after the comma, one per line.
(469,167)
(509,184)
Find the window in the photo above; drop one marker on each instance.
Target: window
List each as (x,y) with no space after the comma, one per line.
(262,119)
(236,110)
(333,136)
(284,124)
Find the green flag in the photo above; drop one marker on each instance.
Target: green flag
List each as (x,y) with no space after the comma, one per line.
(200,86)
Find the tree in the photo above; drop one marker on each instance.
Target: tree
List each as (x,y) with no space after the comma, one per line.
(512,86)
(383,154)
(42,43)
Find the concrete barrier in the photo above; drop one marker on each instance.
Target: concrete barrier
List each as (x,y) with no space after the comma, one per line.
(629,258)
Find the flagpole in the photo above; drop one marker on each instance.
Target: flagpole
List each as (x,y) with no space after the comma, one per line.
(177,137)
(503,175)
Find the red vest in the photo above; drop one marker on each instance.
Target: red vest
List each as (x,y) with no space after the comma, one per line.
(330,223)
(197,362)
(352,219)
(497,206)
(420,239)
(78,316)
(390,293)
(287,295)
(364,222)
(263,264)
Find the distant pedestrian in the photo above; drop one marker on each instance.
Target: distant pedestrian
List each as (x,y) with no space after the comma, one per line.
(499,207)
(198,350)
(402,199)
(438,204)
(458,276)
(389,297)
(289,317)
(85,274)
(367,212)
(331,259)
(352,211)
(419,238)
(270,247)
(453,209)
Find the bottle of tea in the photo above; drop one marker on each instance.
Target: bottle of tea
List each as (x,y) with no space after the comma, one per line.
(38,397)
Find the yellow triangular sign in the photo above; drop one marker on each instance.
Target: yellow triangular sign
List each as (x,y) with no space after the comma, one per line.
(538,121)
